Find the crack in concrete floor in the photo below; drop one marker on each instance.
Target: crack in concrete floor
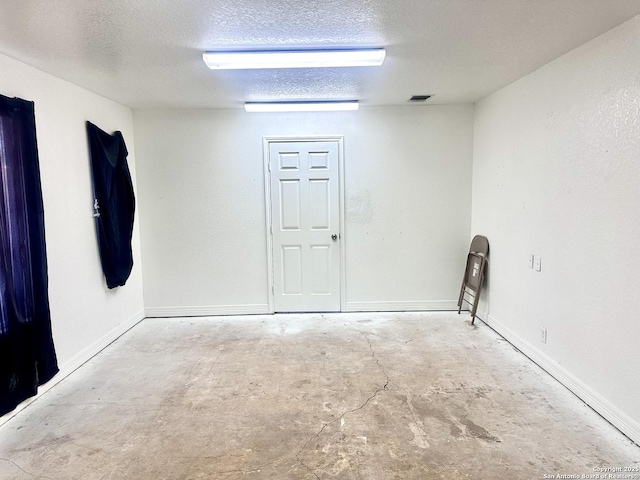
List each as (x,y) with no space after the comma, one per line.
(23,470)
(347,412)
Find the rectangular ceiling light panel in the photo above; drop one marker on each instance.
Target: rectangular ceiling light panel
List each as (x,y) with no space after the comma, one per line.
(301,106)
(294,59)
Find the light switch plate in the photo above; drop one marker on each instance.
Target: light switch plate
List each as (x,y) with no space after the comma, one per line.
(538,264)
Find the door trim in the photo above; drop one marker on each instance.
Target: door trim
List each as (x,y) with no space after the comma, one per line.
(266,141)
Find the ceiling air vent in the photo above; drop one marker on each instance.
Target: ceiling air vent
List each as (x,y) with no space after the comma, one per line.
(420,98)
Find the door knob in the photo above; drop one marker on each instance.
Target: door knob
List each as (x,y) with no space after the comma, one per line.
(334,237)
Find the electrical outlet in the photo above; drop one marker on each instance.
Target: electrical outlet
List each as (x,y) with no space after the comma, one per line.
(531,261)
(544,335)
(538,264)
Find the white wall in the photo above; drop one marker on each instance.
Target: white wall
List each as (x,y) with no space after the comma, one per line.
(201,191)
(83,314)
(557,173)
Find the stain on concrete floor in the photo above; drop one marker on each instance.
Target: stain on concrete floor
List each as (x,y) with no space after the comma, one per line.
(344,396)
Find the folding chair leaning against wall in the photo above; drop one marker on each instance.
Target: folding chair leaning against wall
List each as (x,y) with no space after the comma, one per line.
(474,274)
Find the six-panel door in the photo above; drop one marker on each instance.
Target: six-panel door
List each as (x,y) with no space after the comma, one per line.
(305,216)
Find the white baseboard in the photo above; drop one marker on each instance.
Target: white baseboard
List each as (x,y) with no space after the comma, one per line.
(207,310)
(393,306)
(77,361)
(263,309)
(619,419)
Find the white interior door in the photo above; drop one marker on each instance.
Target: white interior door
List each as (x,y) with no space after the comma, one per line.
(305,220)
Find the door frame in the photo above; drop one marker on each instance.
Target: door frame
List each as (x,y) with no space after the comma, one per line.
(266,142)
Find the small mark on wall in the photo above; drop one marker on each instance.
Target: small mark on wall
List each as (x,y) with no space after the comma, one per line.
(358,207)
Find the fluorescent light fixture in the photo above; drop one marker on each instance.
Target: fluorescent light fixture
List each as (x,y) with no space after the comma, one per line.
(301,106)
(370,57)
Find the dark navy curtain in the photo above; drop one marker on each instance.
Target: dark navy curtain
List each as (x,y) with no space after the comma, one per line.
(114,201)
(27,354)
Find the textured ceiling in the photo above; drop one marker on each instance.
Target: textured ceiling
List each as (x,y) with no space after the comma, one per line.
(147,53)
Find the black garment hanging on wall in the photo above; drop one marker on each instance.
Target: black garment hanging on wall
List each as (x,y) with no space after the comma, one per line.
(27,354)
(114,202)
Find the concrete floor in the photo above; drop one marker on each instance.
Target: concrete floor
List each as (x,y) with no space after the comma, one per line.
(344,396)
